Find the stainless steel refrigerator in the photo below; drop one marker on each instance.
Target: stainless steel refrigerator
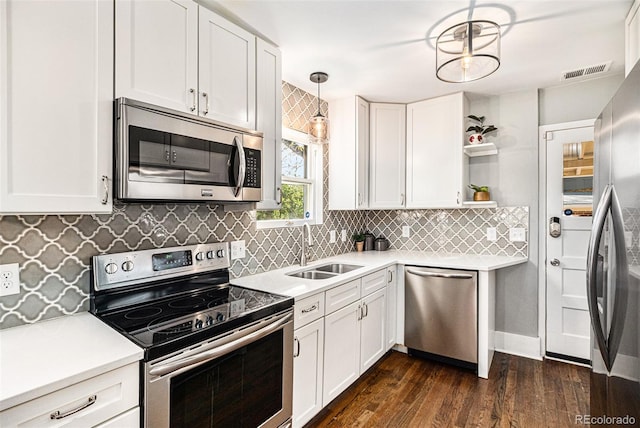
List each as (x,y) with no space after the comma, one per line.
(613,261)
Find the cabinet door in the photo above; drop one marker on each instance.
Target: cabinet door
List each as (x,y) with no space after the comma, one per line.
(341,351)
(392,298)
(435,160)
(349,189)
(372,329)
(387,160)
(269,122)
(157,52)
(308,351)
(227,71)
(56,106)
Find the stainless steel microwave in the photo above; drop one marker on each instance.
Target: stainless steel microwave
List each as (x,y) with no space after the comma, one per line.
(165,155)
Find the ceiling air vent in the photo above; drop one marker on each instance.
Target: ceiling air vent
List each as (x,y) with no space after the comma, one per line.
(587,71)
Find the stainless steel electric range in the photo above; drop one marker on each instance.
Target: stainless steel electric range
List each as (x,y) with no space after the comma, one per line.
(215,354)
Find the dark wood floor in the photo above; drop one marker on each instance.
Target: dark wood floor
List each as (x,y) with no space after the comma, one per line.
(404,391)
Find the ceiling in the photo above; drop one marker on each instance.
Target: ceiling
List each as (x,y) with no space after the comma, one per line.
(384,50)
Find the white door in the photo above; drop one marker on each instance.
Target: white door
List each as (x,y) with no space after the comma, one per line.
(341,351)
(372,329)
(569,187)
(387,156)
(157,52)
(227,71)
(56,106)
(307,371)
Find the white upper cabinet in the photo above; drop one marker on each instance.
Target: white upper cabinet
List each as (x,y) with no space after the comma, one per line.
(387,159)
(269,122)
(436,164)
(227,67)
(176,54)
(157,52)
(56,106)
(632,37)
(349,187)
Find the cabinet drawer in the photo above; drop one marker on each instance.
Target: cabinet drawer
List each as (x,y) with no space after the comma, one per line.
(100,398)
(130,419)
(308,309)
(374,281)
(342,295)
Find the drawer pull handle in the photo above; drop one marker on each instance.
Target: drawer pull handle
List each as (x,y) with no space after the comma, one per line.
(59,415)
(310,309)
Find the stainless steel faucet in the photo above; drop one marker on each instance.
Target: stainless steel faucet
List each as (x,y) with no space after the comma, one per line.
(303,249)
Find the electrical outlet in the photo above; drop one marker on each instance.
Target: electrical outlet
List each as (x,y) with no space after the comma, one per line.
(9,279)
(236,307)
(343,236)
(237,250)
(332,237)
(406,231)
(492,235)
(517,234)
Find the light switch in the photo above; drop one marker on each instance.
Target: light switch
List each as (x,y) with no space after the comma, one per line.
(237,250)
(332,237)
(343,236)
(492,235)
(406,231)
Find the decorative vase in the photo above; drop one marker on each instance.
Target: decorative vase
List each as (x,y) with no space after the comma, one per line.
(476,139)
(482,196)
(360,246)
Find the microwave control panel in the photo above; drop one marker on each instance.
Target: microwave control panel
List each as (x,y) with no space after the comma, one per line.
(253,176)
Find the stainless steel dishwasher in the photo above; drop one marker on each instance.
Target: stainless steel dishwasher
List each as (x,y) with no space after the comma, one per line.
(441,315)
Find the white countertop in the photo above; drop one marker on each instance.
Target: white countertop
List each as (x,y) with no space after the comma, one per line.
(276,281)
(40,358)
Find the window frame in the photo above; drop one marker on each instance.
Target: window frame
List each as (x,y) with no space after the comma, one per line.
(316,183)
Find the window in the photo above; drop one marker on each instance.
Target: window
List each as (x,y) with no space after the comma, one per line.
(301,183)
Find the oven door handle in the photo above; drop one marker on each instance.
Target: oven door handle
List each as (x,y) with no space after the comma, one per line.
(218,351)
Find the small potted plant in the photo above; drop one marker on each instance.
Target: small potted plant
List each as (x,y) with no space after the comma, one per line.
(481,193)
(358,238)
(478,129)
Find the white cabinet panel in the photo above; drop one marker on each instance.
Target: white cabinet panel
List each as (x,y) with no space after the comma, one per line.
(227,71)
(436,164)
(342,295)
(392,298)
(341,351)
(269,121)
(349,188)
(56,104)
(374,281)
(130,419)
(308,309)
(100,398)
(387,156)
(308,372)
(157,52)
(372,329)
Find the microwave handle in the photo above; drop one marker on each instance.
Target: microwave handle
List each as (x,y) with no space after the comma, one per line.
(243,166)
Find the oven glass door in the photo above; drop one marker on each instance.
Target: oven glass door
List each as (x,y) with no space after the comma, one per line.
(243,379)
(241,389)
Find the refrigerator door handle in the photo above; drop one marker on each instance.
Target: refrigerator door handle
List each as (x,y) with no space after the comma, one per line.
(597,229)
(621,281)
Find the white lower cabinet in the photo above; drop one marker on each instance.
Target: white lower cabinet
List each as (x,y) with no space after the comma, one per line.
(372,329)
(307,371)
(392,301)
(107,398)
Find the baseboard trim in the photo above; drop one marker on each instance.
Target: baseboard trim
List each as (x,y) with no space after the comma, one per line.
(516,344)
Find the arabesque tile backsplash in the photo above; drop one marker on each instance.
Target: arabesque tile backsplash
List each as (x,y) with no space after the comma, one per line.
(54,251)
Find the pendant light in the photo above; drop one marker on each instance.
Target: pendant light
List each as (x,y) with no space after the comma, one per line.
(319,124)
(468,51)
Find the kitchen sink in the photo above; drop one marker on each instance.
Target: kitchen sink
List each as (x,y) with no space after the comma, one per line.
(312,274)
(337,268)
(324,271)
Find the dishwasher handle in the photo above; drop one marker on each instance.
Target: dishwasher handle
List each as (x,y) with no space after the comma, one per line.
(440,274)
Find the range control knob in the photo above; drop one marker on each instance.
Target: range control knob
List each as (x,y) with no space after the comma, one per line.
(220,254)
(200,256)
(209,254)
(127,266)
(209,320)
(111,268)
(198,323)
(220,317)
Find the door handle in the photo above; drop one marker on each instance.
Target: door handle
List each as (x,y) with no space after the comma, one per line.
(242,168)
(193,96)
(440,275)
(555,262)
(206,103)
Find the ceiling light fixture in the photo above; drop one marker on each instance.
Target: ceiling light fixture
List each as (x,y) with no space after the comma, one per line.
(319,124)
(468,51)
